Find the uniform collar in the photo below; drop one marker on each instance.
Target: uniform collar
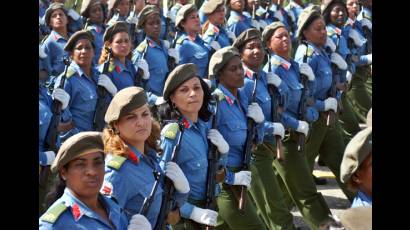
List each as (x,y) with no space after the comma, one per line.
(119,67)
(80,71)
(364,197)
(237,15)
(229,97)
(213,28)
(332,28)
(56,36)
(350,22)
(316,49)
(278,60)
(248,72)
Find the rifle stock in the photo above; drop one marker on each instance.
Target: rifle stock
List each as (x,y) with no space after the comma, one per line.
(302,103)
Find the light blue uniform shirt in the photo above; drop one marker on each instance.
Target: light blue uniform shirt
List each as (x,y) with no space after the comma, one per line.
(78,216)
(216,33)
(237,23)
(133,182)
(290,75)
(194,52)
(54,48)
(361,200)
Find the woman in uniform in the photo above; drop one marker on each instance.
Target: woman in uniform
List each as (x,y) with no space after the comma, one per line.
(132,163)
(78,203)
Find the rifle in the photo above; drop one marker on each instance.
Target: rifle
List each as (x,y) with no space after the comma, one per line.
(139,81)
(171,61)
(368,35)
(213,157)
(52,132)
(302,103)
(87,22)
(248,147)
(148,200)
(169,188)
(75,5)
(101,106)
(273,92)
(331,115)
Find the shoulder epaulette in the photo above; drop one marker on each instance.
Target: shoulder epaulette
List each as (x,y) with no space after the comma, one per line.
(330,32)
(116,162)
(181,39)
(275,61)
(53,213)
(219,94)
(70,72)
(142,46)
(170,130)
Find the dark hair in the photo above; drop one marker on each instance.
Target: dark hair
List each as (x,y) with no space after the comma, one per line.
(307,24)
(168,112)
(326,13)
(56,191)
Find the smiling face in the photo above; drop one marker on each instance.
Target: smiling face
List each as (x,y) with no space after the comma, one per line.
(188,97)
(135,127)
(338,15)
(83,53)
(84,175)
(252,53)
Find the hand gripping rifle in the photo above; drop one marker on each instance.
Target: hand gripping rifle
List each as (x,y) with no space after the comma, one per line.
(101,106)
(213,157)
(275,97)
(149,200)
(331,115)
(52,132)
(250,136)
(169,189)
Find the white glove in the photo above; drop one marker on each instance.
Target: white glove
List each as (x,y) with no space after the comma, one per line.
(369,59)
(217,139)
(142,63)
(231,35)
(106,82)
(331,104)
(215,45)
(255,24)
(255,112)
(243,178)
(307,70)
(278,15)
(61,96)
(175,54)
(73,14)
(41,52)
(273,79)
(139,222)
(348,76)
(263,24)
(174,172)
(358,39)
(330,44)
(278,129)
(41,20)
(366,22)
(208,82)
(132,19)
(50,157)
(160,101)
(204,216)
(338,60)
(166,44)
(303,127)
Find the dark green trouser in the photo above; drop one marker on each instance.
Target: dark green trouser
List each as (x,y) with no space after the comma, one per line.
(229,216)
(359,94)
(188,223)
(266,191)
(369,84)
(299,185)
(348,120)
(327,142)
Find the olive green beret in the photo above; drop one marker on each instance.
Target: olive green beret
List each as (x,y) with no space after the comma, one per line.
(81,34)
(270,29)
(183,13)
(326,4)
(356,151)
(178,76)
(147,10)
(86,5)
(304,17)
(125,101)
(115,28)
(51,8)
(210,6)
(369,118)
(79,144)
(359,218)
(220,58)
(245,36)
